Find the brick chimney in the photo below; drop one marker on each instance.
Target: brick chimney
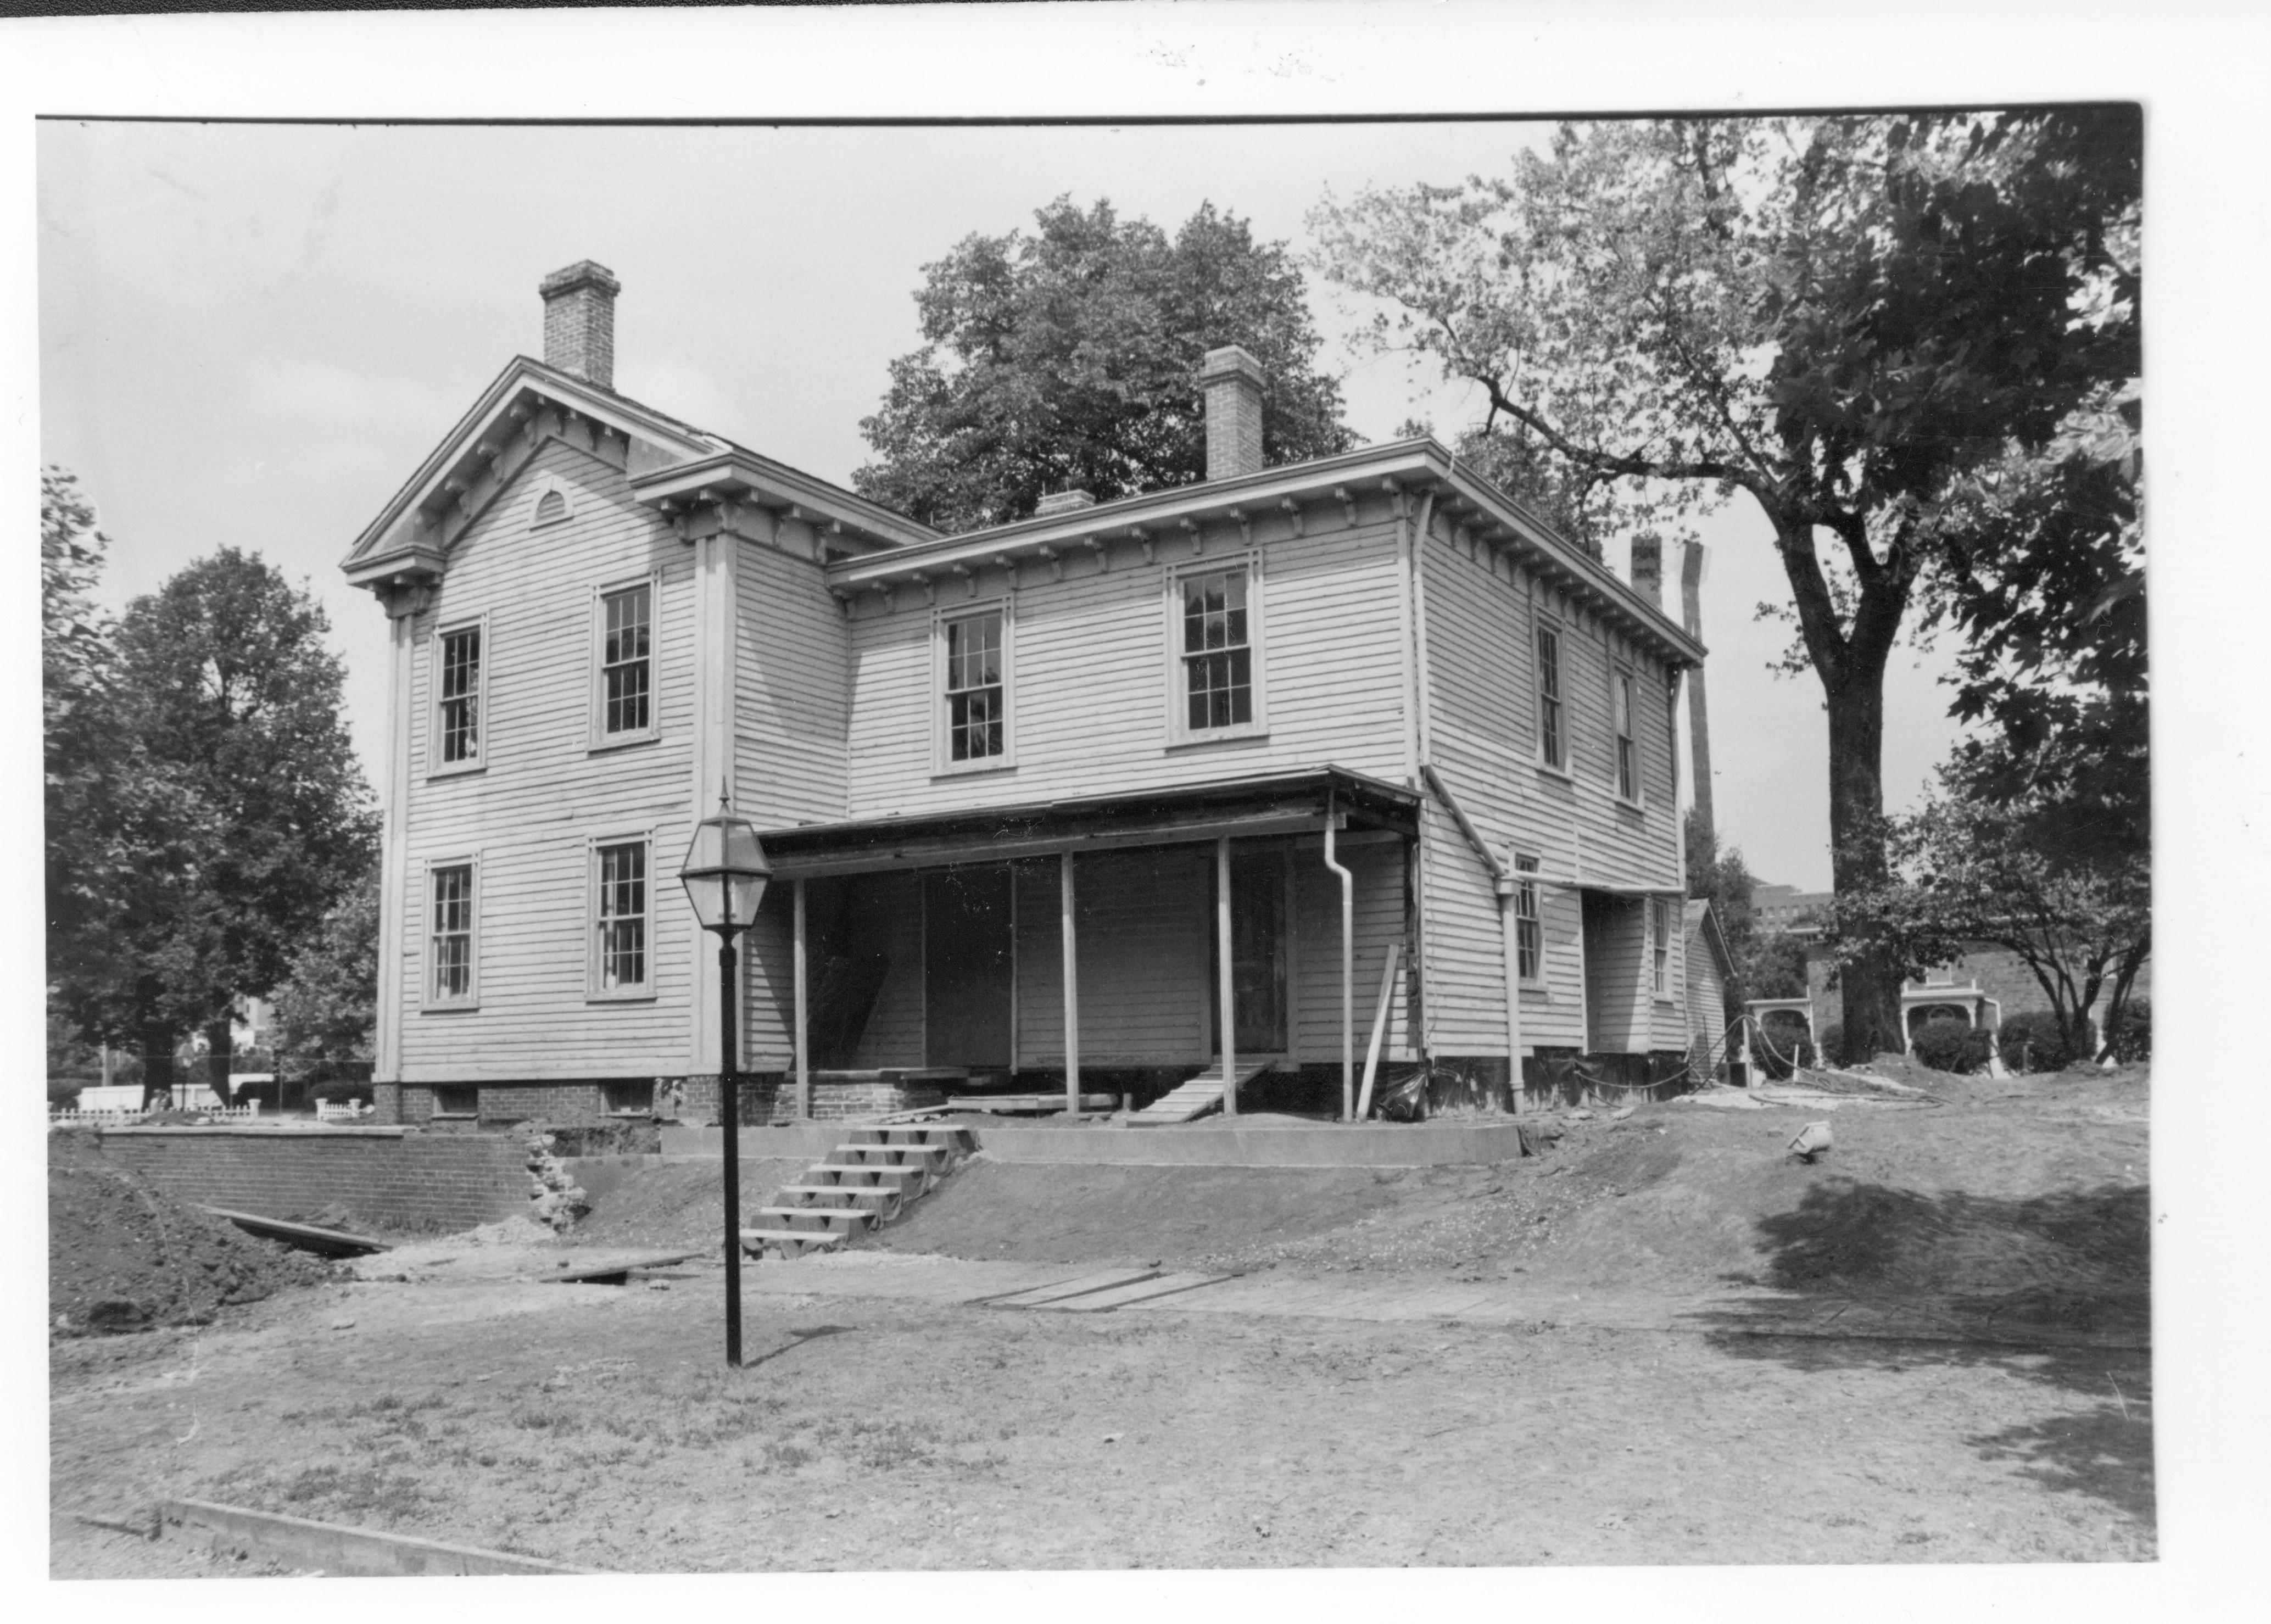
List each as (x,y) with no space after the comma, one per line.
(1064,502)
(1232,381)
(579,321)
(1648,568)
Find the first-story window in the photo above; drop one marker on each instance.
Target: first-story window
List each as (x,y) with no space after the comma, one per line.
(1529,938)
(626,663)
(619,918)
(1218,657)
(459,705)
(1627,757)
(449,945)
(1551,744)
(1659,945)
(975,713)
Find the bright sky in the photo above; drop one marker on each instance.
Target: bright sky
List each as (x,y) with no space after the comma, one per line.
(250,335)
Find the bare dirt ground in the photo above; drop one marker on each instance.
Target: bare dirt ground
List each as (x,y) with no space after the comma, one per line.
(597,1426)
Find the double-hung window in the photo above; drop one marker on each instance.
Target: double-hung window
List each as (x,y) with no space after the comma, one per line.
(619,920)
(457,691)
(1529,937)
(1628,748)
(625,697)
(452,964)
(1218,641)
(1659,945)
(976,721)
(1553,738)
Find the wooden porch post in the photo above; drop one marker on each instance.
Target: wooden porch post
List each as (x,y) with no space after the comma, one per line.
(803,1023)
(1227,1022)
(1071,988)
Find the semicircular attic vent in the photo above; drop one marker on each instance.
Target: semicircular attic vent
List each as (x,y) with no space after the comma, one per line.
(551,508)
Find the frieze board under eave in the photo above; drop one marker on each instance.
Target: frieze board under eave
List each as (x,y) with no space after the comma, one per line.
(396,544)
(739,475)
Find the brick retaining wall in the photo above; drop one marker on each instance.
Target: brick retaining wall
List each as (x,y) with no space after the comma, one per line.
(386,1175)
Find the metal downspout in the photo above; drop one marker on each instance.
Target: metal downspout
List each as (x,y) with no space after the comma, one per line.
(1348,965)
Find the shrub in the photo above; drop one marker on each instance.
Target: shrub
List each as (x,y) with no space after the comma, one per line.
(2031,1041)
(1947,1044)
(1833,1044)
(2132,1040)
(63,1092)
(1783,1043)
(339,1091)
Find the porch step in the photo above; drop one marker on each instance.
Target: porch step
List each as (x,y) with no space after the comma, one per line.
(1192,1100)
(866,1182)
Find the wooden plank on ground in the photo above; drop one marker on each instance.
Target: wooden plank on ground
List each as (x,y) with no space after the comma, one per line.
(332,1548)
(619,1272)
(1143,1291)
(307,1237)
(1108,1280)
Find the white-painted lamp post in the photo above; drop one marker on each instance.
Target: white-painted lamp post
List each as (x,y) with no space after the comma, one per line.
(725,875)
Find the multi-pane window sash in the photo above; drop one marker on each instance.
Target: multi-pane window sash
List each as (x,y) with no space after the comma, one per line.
(1627,777)
(973,688)
(1218,657)
(1549,696)
(626,664)
(453,955)
(1529,939)
(461,696)
(1659,941)
(622,917)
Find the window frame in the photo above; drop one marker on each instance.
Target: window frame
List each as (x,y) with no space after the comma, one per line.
(1179,733)
(1527,878)
(1557,761)
(942,744)
(1659,949)
(595,987)
(443,631)
(600,738)
(428,1000)
(1624,734)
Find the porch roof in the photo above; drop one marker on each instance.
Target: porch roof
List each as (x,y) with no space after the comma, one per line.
(1266,804)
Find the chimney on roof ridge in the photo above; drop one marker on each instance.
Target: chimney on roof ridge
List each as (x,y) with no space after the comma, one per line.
(579,321)
(1064,502)
(1648,568)
(1232,381)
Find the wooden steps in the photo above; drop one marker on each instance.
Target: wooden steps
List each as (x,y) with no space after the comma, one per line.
(866,1182)
(1194,1099)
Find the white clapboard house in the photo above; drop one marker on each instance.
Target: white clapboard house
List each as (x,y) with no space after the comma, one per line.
(1025,790)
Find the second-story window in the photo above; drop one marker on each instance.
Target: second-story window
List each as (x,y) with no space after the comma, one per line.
(1529,938)
(1628,751)
(1217,650)
(975,713)
(459,717)
(1553,745)
(627,663)
(619,918)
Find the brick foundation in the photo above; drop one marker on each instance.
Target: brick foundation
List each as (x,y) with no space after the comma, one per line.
(438,1181)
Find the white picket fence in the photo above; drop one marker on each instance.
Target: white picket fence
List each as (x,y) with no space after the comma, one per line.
(342,1111)
(114,1117)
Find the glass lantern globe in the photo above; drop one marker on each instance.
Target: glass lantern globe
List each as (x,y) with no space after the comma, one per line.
(724,872)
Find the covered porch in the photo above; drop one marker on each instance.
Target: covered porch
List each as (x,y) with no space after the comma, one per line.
(1091,945)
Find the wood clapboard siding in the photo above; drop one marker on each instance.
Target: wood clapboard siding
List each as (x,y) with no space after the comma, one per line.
(1089,674)
(794,691)
(542,795)
(1481,620)
(1379,871)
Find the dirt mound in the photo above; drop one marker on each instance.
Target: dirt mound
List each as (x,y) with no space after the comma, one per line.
(123,1256)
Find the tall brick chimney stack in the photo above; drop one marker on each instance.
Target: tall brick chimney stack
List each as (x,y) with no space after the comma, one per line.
(579,321)
(1232,381)
(1648,568)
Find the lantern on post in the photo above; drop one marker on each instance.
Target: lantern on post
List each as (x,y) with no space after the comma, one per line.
(725,875)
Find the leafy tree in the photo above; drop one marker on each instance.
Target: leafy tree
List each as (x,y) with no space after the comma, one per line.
(226,681)
(1763,964)
(1069,359)
(1991,868)
(327,1006)
(1841,318)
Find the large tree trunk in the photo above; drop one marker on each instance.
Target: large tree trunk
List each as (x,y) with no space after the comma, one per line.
(220,1050)
(1871,982)
(157,1062)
